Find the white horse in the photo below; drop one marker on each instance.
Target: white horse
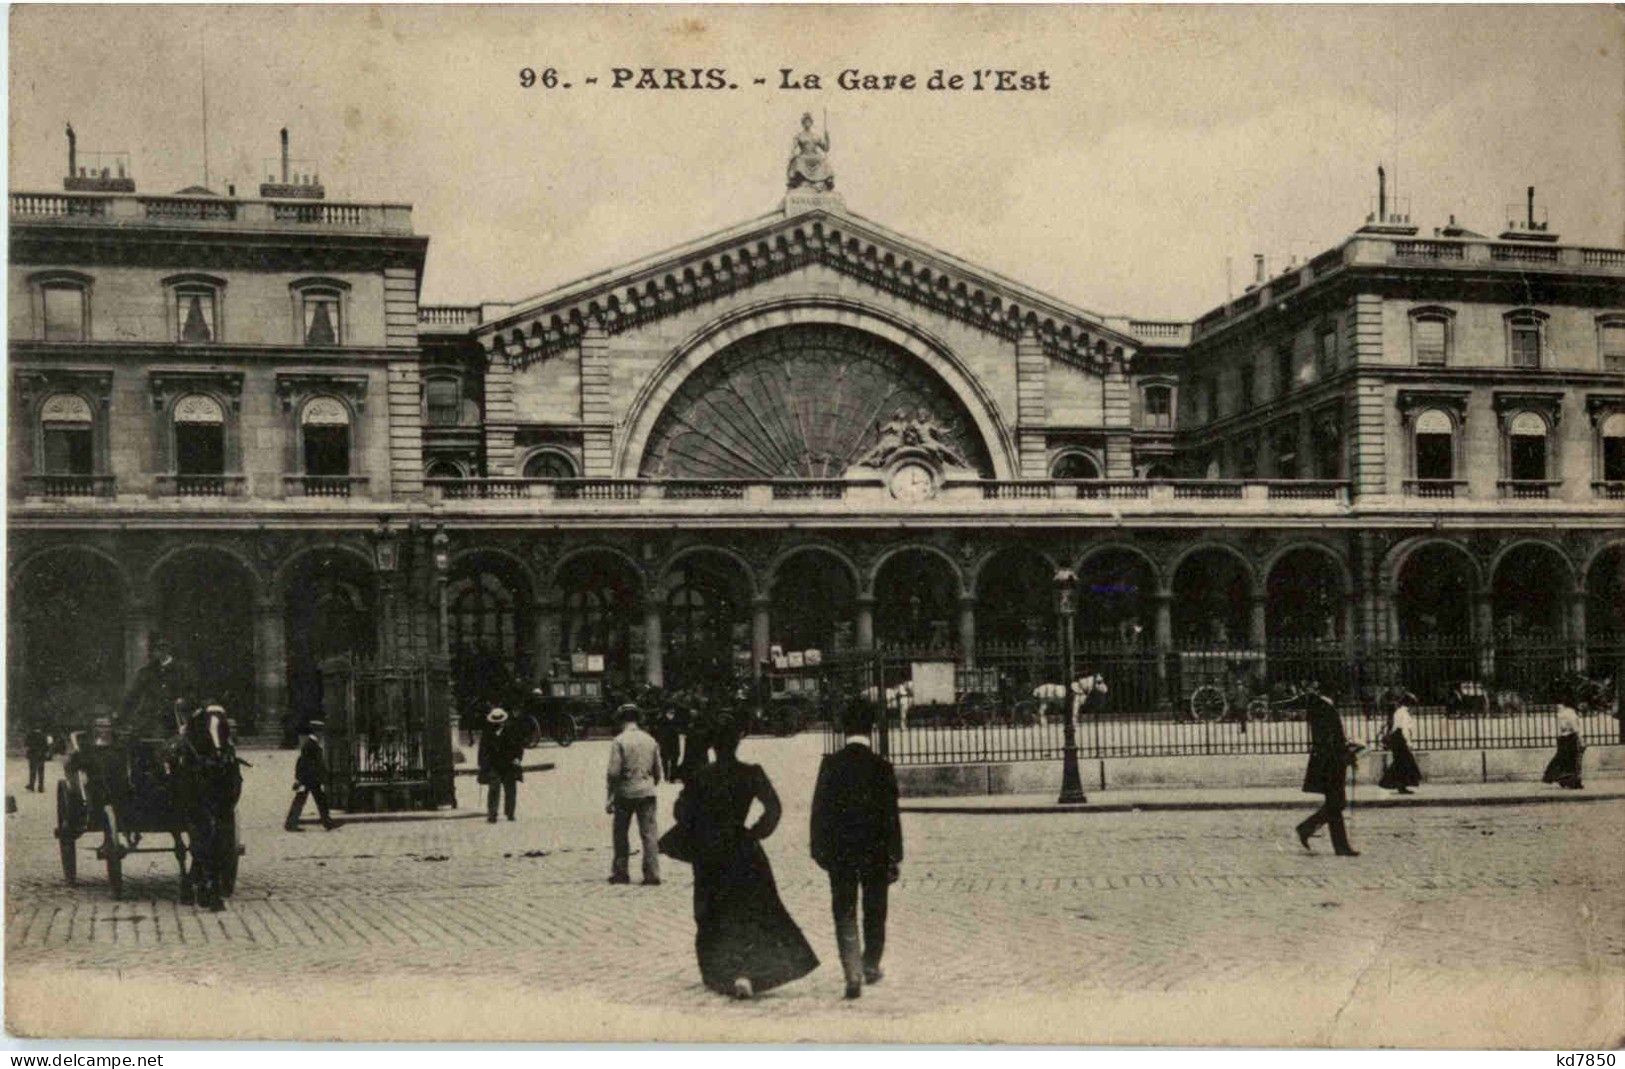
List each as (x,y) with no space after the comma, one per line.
(898,699)
(1082,687)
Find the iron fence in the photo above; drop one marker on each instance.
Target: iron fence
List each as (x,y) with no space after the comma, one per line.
(388,740)
(1006,703)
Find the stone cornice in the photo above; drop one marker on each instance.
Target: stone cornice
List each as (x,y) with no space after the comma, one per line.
(1599,406)
(165,383)
(1510,402)
(293,385)
(650,292)
(144,352)
(51,243)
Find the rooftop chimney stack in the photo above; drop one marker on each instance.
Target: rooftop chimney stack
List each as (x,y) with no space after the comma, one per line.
(73,151)
(1529,229)
(1258,269)
(291,179)
(1531,208)
(96,172)
(1380,221)
(1382,195)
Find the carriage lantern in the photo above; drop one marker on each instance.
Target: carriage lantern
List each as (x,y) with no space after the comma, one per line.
(385,546)
(442,550)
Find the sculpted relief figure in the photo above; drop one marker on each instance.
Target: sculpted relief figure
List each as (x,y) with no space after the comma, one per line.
(918,431)
(809,160)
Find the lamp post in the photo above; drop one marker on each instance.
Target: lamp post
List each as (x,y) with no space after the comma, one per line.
(441,546)
(1066,590)
(386,556)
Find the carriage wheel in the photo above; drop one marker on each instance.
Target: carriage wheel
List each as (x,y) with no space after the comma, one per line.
(229,852)
(533,732)
(111,851)
(564,729)
(67,832)
(1208,703)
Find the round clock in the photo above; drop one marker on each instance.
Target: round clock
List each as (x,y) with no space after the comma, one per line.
(912,482)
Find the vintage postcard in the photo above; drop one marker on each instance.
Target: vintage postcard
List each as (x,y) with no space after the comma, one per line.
(863,524)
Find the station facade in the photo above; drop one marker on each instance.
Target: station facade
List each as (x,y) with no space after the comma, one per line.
(234,424)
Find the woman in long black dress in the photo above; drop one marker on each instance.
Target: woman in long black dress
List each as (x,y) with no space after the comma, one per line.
(746,941)
(1564,767)
(1402,773)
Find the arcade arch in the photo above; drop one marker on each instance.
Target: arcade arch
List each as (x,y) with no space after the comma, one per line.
(65,641)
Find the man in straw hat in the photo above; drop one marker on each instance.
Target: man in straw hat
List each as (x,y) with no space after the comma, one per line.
(502,749)
(634,772)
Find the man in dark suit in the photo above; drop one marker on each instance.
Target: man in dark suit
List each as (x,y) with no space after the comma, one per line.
(857,837)
(1330,755)
(36,747)
(308,772)
(502,753)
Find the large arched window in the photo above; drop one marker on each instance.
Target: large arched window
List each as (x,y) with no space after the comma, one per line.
(324,436)
(1075,465)
(200,436)
(1435,445)
(67,436)
(480,617)
(549,464)
(1611,448)
(1526,447)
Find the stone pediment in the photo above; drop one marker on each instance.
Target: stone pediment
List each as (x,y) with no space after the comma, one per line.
(734,260)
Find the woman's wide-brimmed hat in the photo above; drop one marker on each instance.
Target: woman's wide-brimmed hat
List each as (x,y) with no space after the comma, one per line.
(497,716)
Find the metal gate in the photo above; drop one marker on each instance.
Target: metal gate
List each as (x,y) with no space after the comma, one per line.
(388,740)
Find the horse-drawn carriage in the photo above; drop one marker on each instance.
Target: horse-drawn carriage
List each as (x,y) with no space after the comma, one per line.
(123,789)
(1224,684)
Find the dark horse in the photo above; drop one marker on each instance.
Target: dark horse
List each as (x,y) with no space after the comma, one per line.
(208,782)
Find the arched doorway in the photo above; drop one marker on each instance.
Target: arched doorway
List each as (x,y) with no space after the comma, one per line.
(205,602)
(1212,589)
(1605,614)
(1433,597)
(600,600)
(1304,599)
(489,624)
(65,661)
(329,610)
(706,622)
(915,602)
(1115,590)
(1015,602)
(1529,598)
(813,602)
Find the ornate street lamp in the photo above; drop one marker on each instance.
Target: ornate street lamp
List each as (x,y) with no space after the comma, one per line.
(1066,592)
(441,546)
(385,547)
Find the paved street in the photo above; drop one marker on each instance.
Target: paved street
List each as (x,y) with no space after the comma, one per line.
(1458,926)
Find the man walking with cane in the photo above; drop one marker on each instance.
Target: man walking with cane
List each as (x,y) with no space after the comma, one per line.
(1330,754)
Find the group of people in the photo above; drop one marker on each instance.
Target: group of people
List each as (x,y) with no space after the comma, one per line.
(745,940)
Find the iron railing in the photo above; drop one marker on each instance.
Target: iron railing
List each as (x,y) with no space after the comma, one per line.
(943,708)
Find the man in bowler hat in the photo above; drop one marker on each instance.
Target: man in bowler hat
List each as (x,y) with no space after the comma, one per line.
(307,779)
(857,837)
(1330,755)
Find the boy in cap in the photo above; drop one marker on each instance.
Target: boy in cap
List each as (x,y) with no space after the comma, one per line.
(307,779)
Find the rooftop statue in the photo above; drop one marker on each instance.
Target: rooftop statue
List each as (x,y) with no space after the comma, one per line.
(809,159)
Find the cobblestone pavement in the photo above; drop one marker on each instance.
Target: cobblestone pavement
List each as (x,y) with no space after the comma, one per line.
(1496,926)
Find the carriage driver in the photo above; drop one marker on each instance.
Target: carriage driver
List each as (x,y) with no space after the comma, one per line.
(149,709)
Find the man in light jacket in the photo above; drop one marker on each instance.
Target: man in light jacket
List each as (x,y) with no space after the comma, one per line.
(634,772)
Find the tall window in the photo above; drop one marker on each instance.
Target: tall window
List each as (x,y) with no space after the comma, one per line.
(1525,338)
(1328,445)
(66,432)
(443,399)
(1328,351)
(1246,374)
(195,313)
(1435,446)
(1526,447)
(1430,338)
(1210,396)
(64,312)
(549,464)
(1286,452)
(324,429)
(1247,458)
(322,317)
(1075,466)
(1159,408)
(1283,370)
(480,618)
(200,436)
(1613,448)
(1611,343)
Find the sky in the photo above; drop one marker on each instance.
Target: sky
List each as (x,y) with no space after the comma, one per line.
(1170,140)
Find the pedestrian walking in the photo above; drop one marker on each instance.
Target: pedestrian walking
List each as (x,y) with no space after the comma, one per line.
(1402,773)
(502,751)
(634,772)
(1330,755)
(36,747)
(1564,767)
(669,735)
(745,939)
(307,779)
(857,838)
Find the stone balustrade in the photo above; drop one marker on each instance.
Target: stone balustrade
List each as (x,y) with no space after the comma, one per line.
(131,209)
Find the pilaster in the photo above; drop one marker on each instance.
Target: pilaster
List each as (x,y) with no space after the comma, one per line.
(597,442)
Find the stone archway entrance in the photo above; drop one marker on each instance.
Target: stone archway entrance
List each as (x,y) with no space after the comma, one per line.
(65,662)
(205,602)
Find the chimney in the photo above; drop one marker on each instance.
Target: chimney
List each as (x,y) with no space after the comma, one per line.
(1531,208)
(1258,269)
(1528,230)
(73,152)
(284,155)
(1382,195)
(291,179)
